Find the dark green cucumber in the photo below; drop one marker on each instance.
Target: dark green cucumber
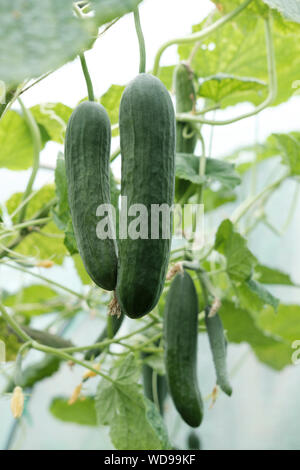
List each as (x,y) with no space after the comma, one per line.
(181,336)
(185,102)
(87,153)
(147,134)
(218,346)
(193,441)
(116,323)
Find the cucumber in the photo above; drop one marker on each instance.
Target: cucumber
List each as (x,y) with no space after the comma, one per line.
(218,346)
(87,153)
(116,323)
(185,102)
(181,335)
(193,441)
(147,135)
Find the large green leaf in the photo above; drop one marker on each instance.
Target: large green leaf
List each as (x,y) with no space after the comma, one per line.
(239,49)
(187,167)
(36,37)
(286,324)
(135,423)
(33,300)
(54,118)
(288,146)
(254,296)
(288,8)
(82,412)
(224,88)
(267,275)
(241,327)
(108,10)
(240,260)
(15,142)
(111,101)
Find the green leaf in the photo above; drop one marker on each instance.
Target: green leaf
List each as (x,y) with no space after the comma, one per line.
(33,300)
(135,423)
(15,142)
(54,118)
(81,271)
(37,37)
(70,240)
(111,101)
(288,8)
(12,344)
(240,260)
(62,211)
(285,324)
(225,89)
(238,49)
(81,412)
(215,199)
(187,167)
(269,275)
(288,146)
(108,10)
(166,76)
(241,327)
(263,294)
(38,200)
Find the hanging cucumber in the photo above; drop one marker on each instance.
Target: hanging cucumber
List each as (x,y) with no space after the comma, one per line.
(147,134)
(217,342)
(181,335)
(87,152)
(186,137)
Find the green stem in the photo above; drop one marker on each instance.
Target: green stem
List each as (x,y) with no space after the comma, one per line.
(202,167)
(49,281)
(115,154)
(243,208)
(87,77)
(108,341)
(14,325)
(37,146)
(186,117)
(198,36)
(141,40)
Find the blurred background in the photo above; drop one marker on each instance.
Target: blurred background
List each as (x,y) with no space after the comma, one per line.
(264,411)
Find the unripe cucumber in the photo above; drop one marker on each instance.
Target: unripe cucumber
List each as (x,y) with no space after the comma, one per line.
(185,102)
(87,153)
(218,346)
(181,335)
(147,134)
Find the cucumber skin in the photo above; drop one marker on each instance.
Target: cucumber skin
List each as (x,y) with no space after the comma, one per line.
(217,341)
(162,389)
(147,135)
(185,101)
(181,336)
(87,153)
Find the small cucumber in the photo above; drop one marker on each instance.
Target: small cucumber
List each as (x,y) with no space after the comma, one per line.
(181,335)
(218,346)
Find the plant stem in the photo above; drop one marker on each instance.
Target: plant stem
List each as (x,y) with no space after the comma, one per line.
(198,36)
(87,77)
(108,341)
(187,117)
(243,208)
(141,40)
(115,154)
(14,325)
(37,145)
(49,281)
